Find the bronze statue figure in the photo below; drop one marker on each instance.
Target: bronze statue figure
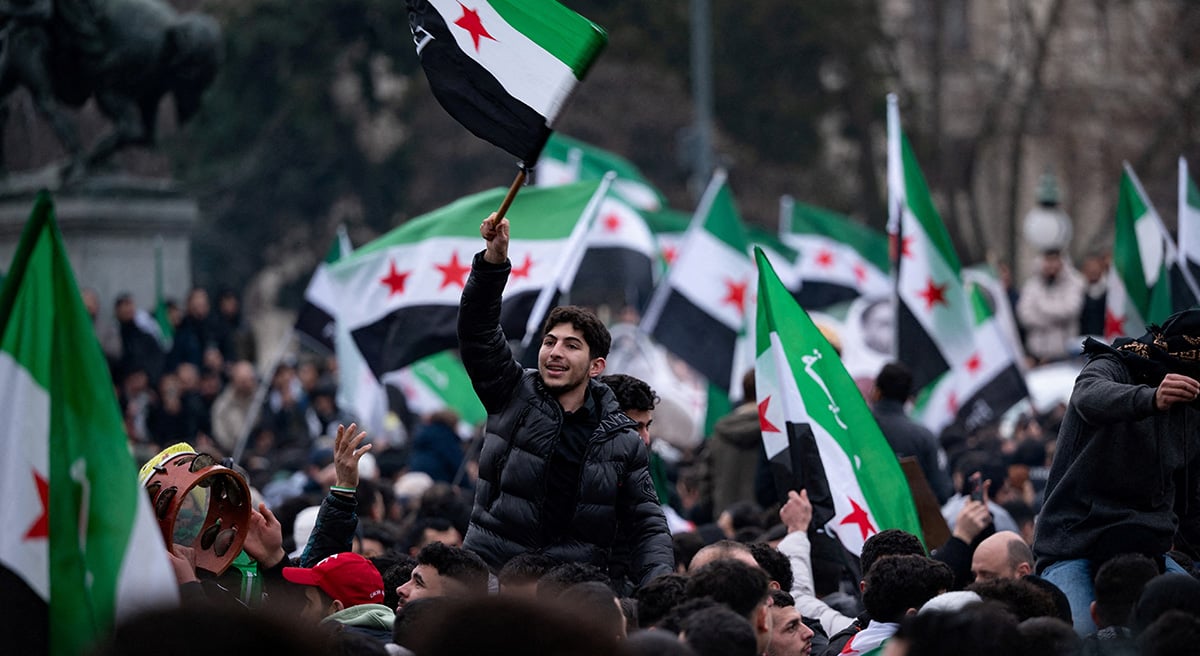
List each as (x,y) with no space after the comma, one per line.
(127,54)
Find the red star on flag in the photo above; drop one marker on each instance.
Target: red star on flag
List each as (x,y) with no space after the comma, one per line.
(471,23)
(974,363)
(860,273)
(763,422)
(1114,326)
(861,518)
(933,294)
(523,270)
(824,259)
(612,223)
(735,294)
(41,527)
(669,254)
(454,272)
(394,279)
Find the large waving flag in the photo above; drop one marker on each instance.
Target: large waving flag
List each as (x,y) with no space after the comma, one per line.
(398,295)
(840,259)
(565,160)
(699,310)
(962,370)
(1139,286)
(504,68)
(804,392)
(80,548)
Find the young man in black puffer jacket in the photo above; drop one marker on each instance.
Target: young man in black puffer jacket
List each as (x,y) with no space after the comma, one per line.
(561,466)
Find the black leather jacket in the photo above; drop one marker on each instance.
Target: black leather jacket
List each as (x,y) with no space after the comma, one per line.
(523,427)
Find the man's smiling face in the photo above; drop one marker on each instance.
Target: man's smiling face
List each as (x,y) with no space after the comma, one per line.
(565,361)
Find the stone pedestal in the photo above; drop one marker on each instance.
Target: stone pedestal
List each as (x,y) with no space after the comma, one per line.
(110,224)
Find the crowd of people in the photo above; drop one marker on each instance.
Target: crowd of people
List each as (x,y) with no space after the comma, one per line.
(559,529)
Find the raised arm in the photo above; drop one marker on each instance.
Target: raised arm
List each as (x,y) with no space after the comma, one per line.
(481,342)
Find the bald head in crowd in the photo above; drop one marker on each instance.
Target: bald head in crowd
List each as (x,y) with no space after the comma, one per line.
(722,550)
(1002,556)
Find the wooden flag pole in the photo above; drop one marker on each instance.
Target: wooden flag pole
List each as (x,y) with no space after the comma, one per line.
(512,194)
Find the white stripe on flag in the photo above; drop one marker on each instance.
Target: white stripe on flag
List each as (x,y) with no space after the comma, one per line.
(709,272)
(25,443)
(528,72)
(424,283)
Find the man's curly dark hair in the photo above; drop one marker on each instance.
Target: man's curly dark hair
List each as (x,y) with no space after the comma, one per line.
(456,563)
(774,563)
(632,393)
(898,583)
(889,542)
(595,333)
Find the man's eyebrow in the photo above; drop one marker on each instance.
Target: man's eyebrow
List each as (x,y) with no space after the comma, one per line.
(418,578)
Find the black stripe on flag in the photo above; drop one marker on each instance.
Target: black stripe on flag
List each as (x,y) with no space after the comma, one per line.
(799,467)
(469,92)
(316,326)
(613,276)
(25,615)
(917,350)
(698,339)
(818,294)
(417,331)
(992,400)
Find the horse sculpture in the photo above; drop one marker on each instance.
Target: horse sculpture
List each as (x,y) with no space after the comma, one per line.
(127,54)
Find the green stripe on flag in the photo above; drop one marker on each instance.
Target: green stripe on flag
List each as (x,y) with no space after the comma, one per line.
(536,213)
(871,244)
(569,37)
(444,374)
(920,202)
(721,216)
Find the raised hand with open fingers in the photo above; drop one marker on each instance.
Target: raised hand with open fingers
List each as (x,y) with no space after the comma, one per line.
(348,449)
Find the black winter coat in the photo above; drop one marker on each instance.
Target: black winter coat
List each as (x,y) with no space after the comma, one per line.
(523,428)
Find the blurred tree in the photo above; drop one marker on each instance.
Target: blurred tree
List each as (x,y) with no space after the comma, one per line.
(301,130)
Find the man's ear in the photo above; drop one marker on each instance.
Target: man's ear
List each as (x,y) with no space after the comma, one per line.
(1094,614)
(335,607)
(762,622)
(596,367)
(1024,569)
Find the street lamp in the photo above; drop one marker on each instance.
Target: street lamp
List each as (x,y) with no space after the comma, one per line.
(1046,226)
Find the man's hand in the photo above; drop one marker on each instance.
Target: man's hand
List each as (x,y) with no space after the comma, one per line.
(264,538)
(495,233)
(1175,388)
(183,562)
(972,519)
(346,454)
(797,512)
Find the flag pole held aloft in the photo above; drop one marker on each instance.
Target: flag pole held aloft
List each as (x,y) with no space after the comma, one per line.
(511,195)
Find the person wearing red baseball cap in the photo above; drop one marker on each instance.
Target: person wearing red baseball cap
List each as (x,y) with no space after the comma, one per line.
(344,589)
